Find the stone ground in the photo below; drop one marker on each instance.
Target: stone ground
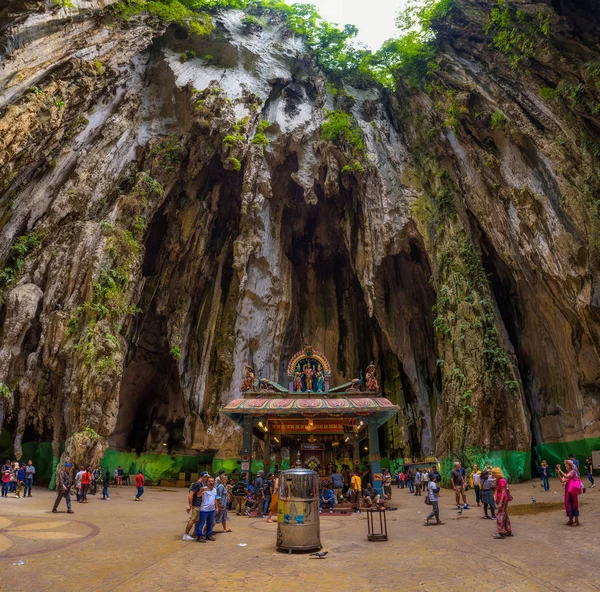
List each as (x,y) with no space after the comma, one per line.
(122,545)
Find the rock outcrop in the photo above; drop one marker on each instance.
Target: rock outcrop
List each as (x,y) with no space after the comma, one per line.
(156,234)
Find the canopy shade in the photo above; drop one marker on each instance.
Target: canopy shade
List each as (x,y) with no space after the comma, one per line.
(314,406)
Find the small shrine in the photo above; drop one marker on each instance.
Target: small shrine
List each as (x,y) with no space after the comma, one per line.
(310,422)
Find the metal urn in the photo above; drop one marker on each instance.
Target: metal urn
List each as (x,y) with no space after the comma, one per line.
(298,526)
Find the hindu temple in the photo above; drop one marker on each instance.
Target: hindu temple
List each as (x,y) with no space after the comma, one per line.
(311,422)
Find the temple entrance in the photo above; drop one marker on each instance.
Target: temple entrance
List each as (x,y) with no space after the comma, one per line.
(310,422)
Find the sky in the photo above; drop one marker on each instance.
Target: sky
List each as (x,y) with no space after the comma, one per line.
(374,18)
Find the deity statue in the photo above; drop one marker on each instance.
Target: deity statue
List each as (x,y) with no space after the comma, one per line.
(370,378)
(320,376)
(308,373)
(263,385)
(297,379)
(248,382)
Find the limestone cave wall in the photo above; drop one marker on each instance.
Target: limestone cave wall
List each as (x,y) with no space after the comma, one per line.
(152,241)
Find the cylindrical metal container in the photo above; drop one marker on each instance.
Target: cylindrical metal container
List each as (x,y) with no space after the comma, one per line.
(298,526)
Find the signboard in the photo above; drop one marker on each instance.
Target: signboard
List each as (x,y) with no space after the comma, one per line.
(245,466)
(301,427)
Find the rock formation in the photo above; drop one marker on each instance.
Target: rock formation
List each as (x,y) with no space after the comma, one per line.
(173,205)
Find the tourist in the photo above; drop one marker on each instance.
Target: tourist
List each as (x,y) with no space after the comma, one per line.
(239,492)
(96,478)
(370,496)
(425,479)
(63,487)
(86,480)
(120,474)
(6,470)
(545,475)
(572,485)
(418,482)
(327,497)
(433,492)
(590,471)
(267,492)
(503,496)
(139,483)
(194,503)
(402,479)
(259,492)
(20,479)
(337,483)
(208,496)
(356,487)
(105,486)
(230,496)
(574,461)
(221,476)
(78,477)
(410,481)
(487,494)
(475,482)
(458,485)
(250,499)
(221,515)
(387,484)
(29,473)
(273,507)
(13,477)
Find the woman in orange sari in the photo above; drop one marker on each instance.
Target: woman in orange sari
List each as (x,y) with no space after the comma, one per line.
(502,498)
(274,498)
(572,485)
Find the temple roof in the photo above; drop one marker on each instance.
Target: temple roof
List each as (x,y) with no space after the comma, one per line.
(313,406)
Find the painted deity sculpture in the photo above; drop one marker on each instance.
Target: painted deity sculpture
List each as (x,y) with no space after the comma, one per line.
(371,381)
(320,376)
(308,374)
(297,379)
(248,382)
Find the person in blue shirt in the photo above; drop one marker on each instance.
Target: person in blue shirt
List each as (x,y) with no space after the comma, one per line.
(545,475)
(327,497)
(29,473)
(574,461)
(20,478)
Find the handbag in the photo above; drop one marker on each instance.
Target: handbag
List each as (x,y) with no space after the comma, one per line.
(509,496)
(427,501)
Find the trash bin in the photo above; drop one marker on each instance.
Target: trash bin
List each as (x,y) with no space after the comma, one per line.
(298,526)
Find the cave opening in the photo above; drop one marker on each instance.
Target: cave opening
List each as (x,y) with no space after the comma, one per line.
(153,407)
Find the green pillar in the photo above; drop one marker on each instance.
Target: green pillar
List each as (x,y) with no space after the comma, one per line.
(374,456)
(267,453)
(247,447)
(355,452)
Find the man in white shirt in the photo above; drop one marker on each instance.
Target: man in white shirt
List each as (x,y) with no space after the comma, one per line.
(207,511)
(78,478)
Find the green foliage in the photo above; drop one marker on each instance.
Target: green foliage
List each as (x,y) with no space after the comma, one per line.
(260,140)
(497,121)
(23,246)
(549,94)
(90,433)
(515,33)
(188,14)
(64,4)
(99,67)
(5,392)
(208,58)
(59,103)
(341,129)
(168,152)
(233,164)
(187,55)
(232,140)
(175,352)
(34,90)
(263,126)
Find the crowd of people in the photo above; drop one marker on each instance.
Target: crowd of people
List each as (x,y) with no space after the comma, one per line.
(17,478)
(210,499)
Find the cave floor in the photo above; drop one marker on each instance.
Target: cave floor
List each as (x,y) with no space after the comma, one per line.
(122,545)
